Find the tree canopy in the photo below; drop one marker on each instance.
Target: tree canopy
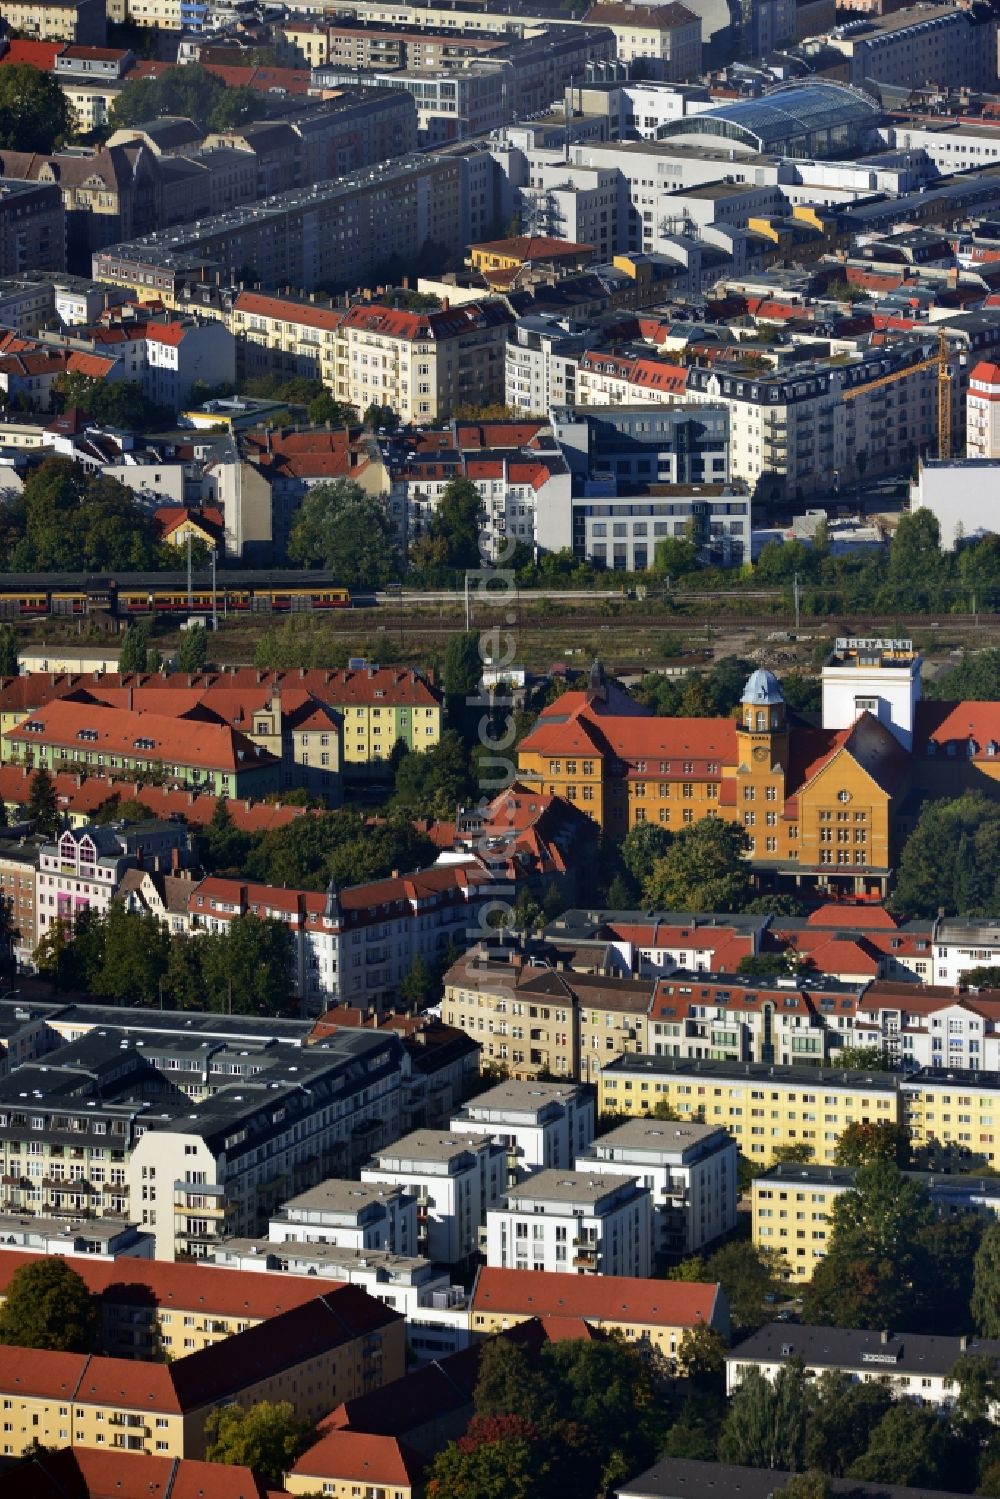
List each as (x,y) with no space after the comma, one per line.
(451,540)
(48,1306)
(34,113)
(266,1437)
(948,862)
(190,91)
(67,520)
(703,869)
(346,531)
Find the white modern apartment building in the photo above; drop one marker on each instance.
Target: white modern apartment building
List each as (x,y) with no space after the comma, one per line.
(456,1179)
(689,1170)
(573,1221)
(539,1124)
(960,493)
(349,1215)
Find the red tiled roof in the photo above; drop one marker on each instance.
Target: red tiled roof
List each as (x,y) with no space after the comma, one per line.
(41,55)
(212,1290)
(358,1457)
(213,746)
(859,916)
(306,313)
(942,724)
(595,1298)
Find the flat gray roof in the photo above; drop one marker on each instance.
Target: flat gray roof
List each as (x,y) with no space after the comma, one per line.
(567,1186)
(340,1197)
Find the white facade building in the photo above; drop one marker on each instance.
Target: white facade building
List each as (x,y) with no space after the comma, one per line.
(961,495)
(456,1179)
(914,1366)
(539,1124)
(690,1170)
(588,1223)
(982,411)
(876,676)
(349,1215)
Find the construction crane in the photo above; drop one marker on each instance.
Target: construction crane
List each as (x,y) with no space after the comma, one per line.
(941,361)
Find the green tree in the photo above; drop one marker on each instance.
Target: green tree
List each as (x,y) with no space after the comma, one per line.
(34,114)
(985,1304)
(189,90)
(134,648)
(500,1457)
(510,1382)
(865,1059)
(433,783)
(248,967)
(983,977)
(345,531)
(915,549)
(417,988)
(766,1425)
(910,1446)
(222,845)
(43,808)
(875,1271)
(452,536)
(48,1306)
(10,666)
(763,965)
(747,1274)
(136,950)
(53,957)
(192,653)
(797,1154)
(463,667)
(865,1141)
(642,846)
(674,557)
(71,521)
(323,410)
(376,416)
(947,862)
(842,1417)
(701,1355)
(266,1437)
(812,1484)
(704,869)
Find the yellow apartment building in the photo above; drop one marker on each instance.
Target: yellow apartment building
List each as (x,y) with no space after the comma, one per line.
(792,1207)
(654,1313)
(763,1107)
(316,1355)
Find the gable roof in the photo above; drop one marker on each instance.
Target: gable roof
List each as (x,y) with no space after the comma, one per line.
(608,1298)
(362,1458)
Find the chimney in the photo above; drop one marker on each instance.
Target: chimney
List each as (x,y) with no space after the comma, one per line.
(175,860)
(445,303)
(963,1343)
(885,1336)
(131,699)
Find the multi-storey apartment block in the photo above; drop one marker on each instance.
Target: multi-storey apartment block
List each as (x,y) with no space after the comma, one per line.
(689,1169)
(540,1124)
(456,1180)
(593,1224)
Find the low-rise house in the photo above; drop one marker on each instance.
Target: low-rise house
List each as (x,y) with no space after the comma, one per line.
(198,753)
(346,1463)
(340,1342)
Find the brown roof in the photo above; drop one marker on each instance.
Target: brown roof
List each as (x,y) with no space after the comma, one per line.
(649,17)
